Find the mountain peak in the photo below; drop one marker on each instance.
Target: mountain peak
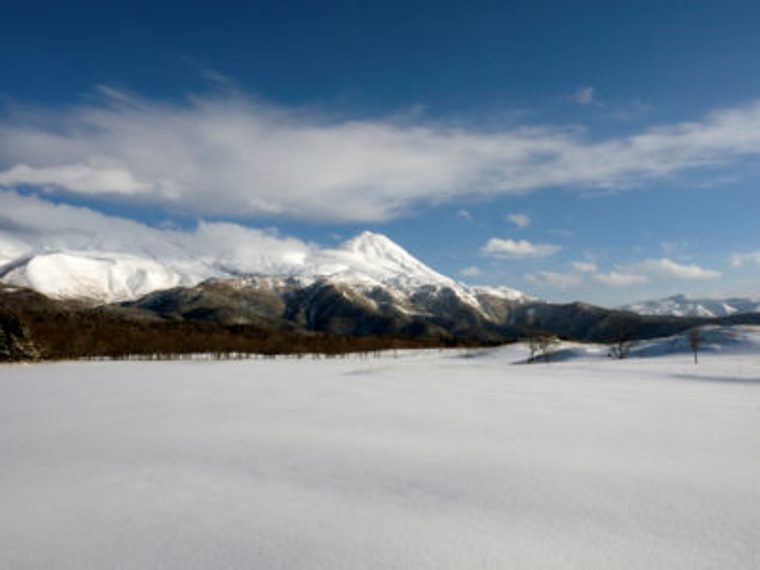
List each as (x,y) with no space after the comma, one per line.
(372,244)
(378,256)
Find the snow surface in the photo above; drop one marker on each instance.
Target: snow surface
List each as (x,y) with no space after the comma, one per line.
(105,277)
(452,459)
(129,271)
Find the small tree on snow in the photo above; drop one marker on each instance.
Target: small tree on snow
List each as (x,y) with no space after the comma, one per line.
(695,340)
(620,348)
(542,344)
(622,341)
(534,347)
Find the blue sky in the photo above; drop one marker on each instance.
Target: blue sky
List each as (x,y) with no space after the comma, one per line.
(604,151)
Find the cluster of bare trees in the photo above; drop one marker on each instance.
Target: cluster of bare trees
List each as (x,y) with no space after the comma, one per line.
(542,345)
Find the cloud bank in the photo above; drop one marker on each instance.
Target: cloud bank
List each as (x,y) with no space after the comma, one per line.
(29,225)
(640,273)
(225,154)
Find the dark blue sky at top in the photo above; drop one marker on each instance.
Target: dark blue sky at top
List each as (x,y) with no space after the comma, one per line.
(478,63)
(364,56)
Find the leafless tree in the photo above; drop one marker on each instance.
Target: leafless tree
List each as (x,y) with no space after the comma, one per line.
(543,345)
(621,341)
(534,347)
(620,348)
(695,341)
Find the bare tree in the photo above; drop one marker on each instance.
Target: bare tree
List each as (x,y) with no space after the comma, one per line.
(548,344)
(543,345)
(620,348)
(534,346)
(695,341)
(621,345)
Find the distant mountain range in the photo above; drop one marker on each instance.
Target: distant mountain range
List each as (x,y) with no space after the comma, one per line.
(682,306)
(106,302)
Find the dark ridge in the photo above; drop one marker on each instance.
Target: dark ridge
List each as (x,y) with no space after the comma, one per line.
(33,326)
(222,317)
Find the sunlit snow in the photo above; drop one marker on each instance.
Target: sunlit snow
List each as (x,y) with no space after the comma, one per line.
(451,459)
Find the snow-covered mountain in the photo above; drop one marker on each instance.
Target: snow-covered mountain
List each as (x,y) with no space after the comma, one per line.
(97,276)
(369,262)
(682,306)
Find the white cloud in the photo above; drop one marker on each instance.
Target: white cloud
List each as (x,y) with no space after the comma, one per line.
(742,259)
(520,220)
(617,279)
(668,268)
(89,178)
(471,271)
(585,266)
(29,224)
(555,279)
(518,249)
(464,214)
(584,95)
(224,154)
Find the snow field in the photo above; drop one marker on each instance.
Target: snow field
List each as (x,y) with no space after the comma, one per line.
(429,460)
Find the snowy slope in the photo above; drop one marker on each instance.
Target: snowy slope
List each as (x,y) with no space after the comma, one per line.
(94,275)
(431,460)
(723,340)
(374,258)
(682,306)
(365,262)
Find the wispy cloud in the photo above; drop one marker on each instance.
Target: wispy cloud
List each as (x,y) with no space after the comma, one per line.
(522,221)
(618,279)
(471,271)
(668,268)
(225,154)
(674,247)
(582,272)
(94,177)
(554,279)
(584,95)
(585,266)
(742,259)
(518,249)
(464,214)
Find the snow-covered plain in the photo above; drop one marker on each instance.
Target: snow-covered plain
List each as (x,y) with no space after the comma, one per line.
(420,460)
